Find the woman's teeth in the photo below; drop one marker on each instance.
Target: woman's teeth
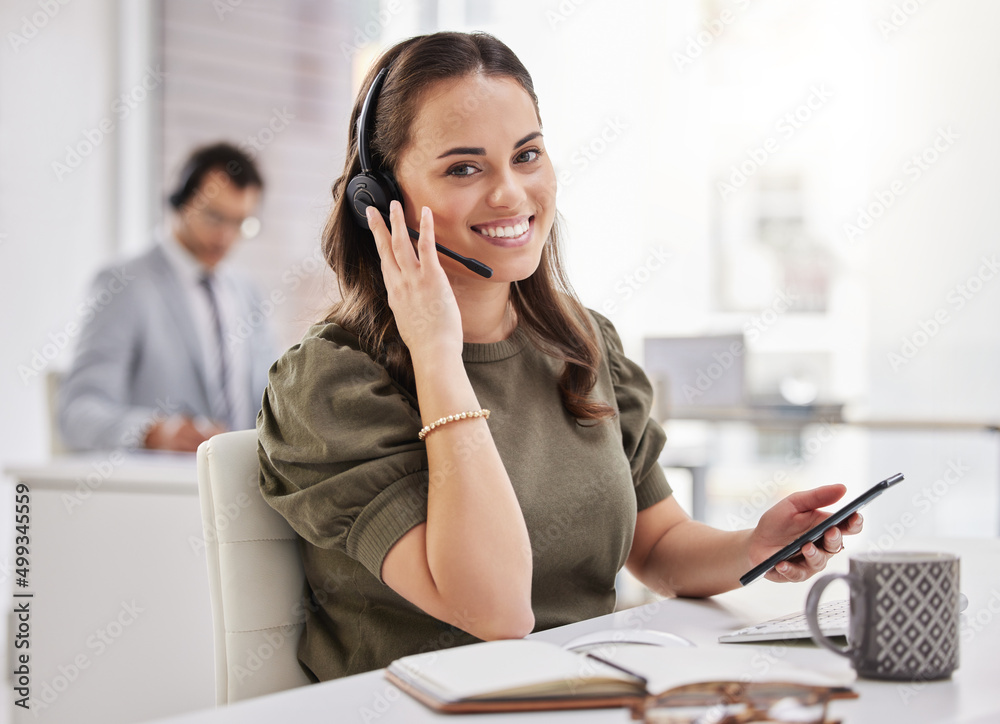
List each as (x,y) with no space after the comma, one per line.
(505,232)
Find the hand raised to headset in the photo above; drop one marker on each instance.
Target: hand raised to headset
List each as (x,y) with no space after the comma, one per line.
(419,292)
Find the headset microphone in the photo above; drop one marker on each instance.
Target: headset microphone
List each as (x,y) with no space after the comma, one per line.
(375,188)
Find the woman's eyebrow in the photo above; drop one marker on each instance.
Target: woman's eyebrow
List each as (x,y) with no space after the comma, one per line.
(480,151)
(530,137)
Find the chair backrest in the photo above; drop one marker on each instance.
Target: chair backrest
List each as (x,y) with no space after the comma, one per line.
(254,571)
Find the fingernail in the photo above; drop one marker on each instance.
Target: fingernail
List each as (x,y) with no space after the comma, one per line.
(370,212)
(394,205)
(425,212)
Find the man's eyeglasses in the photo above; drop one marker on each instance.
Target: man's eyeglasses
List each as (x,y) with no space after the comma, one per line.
(734,702)
(248,227)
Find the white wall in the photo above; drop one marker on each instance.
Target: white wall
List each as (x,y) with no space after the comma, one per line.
(56,88)
(931,311)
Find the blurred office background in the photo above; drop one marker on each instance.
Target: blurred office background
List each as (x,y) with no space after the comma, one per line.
(818,179)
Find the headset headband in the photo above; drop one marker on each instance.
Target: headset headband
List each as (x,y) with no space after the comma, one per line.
(367,108)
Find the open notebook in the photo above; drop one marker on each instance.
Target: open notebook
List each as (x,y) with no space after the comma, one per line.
(527,674)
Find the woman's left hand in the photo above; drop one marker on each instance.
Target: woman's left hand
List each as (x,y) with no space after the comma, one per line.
(790,518)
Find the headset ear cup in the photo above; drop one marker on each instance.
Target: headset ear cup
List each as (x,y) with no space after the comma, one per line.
(371,189)
(364,190)
(391,188)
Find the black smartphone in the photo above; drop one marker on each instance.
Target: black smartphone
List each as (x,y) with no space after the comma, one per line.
(816,533)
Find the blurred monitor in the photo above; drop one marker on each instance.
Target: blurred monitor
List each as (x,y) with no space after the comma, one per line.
(695,372)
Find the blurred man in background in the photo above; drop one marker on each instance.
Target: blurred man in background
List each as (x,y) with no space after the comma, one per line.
(175,350)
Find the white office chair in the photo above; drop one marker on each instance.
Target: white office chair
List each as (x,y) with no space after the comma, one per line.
(254,572)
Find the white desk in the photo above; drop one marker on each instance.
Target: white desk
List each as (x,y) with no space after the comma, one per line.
(971,696)
(121,626)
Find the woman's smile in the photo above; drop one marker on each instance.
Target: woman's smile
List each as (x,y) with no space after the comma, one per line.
(507,232)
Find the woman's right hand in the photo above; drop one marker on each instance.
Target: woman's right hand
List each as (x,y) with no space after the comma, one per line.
(419,292)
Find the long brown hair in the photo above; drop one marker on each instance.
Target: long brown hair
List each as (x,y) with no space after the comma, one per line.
(545,305)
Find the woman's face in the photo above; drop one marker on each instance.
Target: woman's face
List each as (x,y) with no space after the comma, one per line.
(476,157)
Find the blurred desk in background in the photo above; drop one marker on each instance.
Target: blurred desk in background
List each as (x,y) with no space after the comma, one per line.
(794,417)
(121,625)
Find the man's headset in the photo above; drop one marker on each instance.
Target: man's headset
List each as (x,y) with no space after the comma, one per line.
(189,180)
(377,188)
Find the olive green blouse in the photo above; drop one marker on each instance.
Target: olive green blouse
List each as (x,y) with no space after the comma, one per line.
(340,460)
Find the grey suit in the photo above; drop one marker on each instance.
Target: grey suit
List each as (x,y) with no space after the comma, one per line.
(139,359)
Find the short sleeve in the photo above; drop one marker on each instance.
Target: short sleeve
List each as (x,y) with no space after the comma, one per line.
(339,453)
(642,437)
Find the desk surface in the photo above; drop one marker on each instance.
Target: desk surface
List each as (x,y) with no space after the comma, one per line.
(113,471)
(969,697)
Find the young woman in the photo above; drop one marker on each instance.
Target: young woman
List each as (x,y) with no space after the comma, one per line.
(423,530)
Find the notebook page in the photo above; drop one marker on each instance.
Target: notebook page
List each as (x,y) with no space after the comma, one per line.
(509,668)
(667,668)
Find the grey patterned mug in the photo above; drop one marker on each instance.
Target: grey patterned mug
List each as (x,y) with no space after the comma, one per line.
(904,617)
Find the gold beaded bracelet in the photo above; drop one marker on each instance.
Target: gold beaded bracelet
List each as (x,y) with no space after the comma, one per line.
(452,418)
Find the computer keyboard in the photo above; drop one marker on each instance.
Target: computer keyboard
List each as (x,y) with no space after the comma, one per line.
(833,617)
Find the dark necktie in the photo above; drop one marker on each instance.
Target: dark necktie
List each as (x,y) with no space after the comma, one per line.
(220,396)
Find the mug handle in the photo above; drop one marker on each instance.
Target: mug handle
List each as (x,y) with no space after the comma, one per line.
(812,606)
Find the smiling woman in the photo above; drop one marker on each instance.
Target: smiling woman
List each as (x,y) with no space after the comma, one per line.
(468,457)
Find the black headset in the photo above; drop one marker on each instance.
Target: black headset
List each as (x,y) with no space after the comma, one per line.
(373,187)
(190,178)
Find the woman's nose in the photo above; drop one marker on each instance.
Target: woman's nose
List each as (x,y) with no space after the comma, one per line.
(508,190)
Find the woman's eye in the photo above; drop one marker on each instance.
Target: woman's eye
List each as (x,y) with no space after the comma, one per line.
(528,156)
(462,169)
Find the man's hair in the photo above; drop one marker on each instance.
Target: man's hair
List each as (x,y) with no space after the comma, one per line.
(225,157)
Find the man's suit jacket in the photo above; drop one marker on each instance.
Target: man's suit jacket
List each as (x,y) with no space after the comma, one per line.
(139,360)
